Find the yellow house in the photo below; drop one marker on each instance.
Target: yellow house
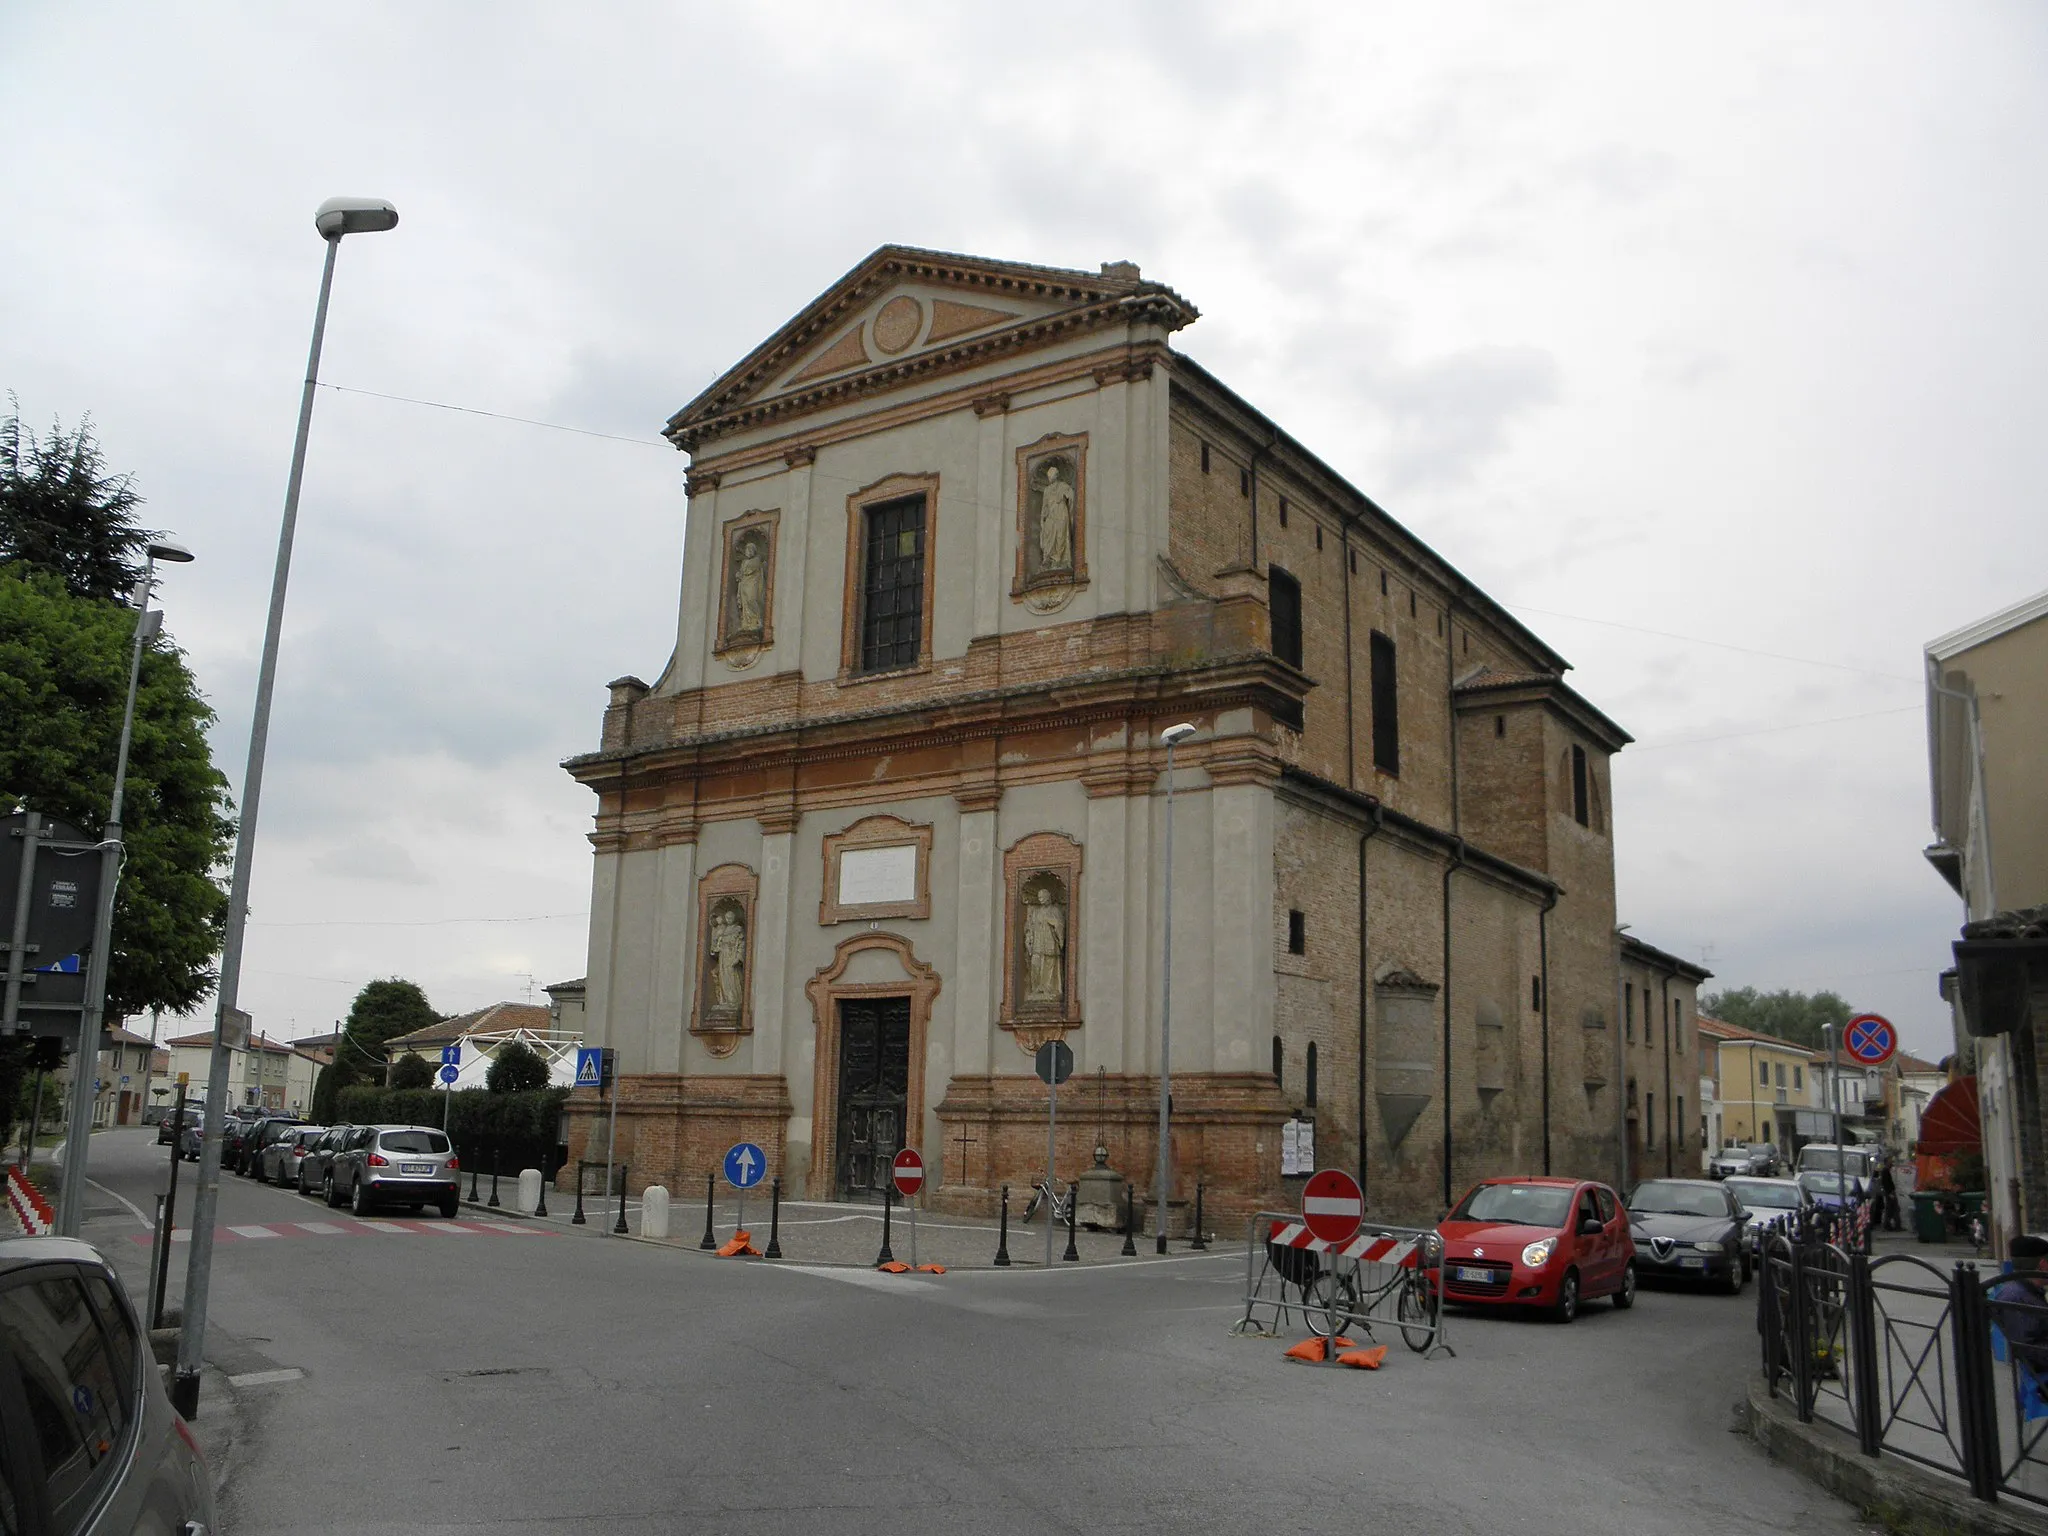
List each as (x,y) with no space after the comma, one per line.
(1762,1083)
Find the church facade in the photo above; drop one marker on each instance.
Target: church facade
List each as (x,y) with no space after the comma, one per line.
(964,538)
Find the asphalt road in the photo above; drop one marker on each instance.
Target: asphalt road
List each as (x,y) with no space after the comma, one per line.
(554,1379)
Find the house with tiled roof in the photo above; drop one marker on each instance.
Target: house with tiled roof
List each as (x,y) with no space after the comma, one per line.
(264,1074)
(1760,1084)
(481,1033)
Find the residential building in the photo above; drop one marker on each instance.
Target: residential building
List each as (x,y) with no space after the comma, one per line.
(1662,1093)
(268,1074)
(1987,720)
(1761,1085)
(964,538)
(1919,1082)
(478,1036)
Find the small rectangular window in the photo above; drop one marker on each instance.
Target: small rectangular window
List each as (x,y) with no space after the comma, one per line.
(1678,1120)
(1412,610)
(1500,725)
(1297,933)
(1244,482)
(1628,1010)
(1649,1118)
(1279,1061)
(1354,562)
(1205,458)
(1781,1074)
(1309,1078)
(1798,1078)
(1581,811)
(1319,535)
(1763,1073)
(892,584)
(1286,615)
(1283,511)
(1383,583)
(1386,720)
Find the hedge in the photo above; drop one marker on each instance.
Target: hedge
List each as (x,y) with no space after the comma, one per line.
(517,1128)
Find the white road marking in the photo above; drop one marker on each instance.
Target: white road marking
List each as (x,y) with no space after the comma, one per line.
(133,1209)
(451,1228)
(506,1226)
(323,1228)
(267,1378)
(254,1232)
(387,1226)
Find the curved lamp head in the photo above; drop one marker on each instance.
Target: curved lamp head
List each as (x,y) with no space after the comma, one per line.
(1176,733)
(173,554)
(340,216)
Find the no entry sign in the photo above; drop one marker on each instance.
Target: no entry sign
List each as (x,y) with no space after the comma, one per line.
(1331,1206)
(908,1169)
(1870,1038)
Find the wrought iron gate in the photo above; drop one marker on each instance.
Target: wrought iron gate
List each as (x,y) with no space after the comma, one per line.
(874,1090)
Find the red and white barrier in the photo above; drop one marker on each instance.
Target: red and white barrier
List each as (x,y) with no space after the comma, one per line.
(30,1208)
(1367,1248)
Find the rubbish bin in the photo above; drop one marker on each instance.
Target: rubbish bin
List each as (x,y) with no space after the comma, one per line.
(1928,1227)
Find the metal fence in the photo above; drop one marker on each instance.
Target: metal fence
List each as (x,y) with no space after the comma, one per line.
(1384,1277)
(1947,1371)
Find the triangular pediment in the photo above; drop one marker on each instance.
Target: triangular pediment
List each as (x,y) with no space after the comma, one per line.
(906,312)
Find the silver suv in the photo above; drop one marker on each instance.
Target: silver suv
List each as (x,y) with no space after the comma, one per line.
(409,1165)
(88,1438)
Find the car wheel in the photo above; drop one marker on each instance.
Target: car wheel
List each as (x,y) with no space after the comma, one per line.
(1626,1296)
(302,1182)
(1567,1306)
(1737,1274)
(359,1199)
(449,1207)
(328,1192)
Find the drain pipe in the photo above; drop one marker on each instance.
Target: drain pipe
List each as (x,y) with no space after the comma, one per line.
(1457,863)
(1376,821)
(1543,1001)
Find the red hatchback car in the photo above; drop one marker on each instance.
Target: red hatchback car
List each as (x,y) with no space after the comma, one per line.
(1550,1243)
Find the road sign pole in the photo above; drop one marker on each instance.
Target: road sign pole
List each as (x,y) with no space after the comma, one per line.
(612,1140)
(1835,1106)
(913,1231)
(1052,1132)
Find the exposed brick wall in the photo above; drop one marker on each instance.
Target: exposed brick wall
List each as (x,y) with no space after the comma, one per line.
(674,1129)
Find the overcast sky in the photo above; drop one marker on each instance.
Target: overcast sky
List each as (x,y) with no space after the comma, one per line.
(1712,341)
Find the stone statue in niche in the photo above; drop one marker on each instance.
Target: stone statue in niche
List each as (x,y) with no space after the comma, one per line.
(1053,490)
(726,944)
(1045,944)
(750,585)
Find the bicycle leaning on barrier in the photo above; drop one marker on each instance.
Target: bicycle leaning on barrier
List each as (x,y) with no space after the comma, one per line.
(1042,1194)
(1380,1277)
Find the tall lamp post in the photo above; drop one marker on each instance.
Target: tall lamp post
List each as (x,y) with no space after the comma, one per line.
(85,1061)
(1172,735)
(336,217)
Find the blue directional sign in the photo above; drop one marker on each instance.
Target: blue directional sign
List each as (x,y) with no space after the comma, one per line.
(745,1165)
(1871,1039)
(589,1066)
(450,1073)
(451,1055)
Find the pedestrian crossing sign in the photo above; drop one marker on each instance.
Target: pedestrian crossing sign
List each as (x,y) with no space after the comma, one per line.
(593,1067)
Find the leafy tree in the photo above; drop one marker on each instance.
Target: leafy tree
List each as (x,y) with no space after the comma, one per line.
(412,1071)
(63,679)
(1794,1016)
(60,511)
(382,1011)
(518,1068)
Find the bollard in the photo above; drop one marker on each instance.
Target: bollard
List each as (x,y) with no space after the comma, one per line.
(619,1229)
(527,1200)
(540,1206)
(1199,1245)
(1003,1233)
(710,1242)
(774,1249)
(493,1204)
(474,1169)
(1073,1254)
(654,1211)
(577,1220)
(888,1204)
(1130,1247)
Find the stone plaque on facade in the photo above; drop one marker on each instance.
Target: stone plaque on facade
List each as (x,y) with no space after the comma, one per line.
(874,876)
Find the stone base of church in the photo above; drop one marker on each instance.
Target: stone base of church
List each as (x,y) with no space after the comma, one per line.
(1226,1137)
(675,1129)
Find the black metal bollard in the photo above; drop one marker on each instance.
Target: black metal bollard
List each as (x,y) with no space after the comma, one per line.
(493,1203)
(888,1204)
(541,1206)
(578,1219)
(619,1230)
(1003,1233)
(1130,1248)
(1199,1244)
(774,1249)
(474,1169)
(1073,1254)
(709,1241)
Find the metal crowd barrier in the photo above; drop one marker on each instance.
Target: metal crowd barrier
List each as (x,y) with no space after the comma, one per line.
(1384,1276)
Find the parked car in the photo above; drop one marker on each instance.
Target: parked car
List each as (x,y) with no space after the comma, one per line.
(278,1160)
(409,1165)
(1757,1158)
(195,1111)
(1689,1229)
(312,1170)
(238,1126)
(1858,1163)
(89,1441)
(192,1141)
(1832,1190)
(1538,1242)
(1766,1202)
(258,1138)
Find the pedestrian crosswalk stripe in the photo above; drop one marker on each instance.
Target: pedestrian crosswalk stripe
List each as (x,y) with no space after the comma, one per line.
(452,1228)
(253,1232)
(386,1226)
(323,1228)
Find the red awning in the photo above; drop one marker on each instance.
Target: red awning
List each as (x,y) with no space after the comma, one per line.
(1949,1123)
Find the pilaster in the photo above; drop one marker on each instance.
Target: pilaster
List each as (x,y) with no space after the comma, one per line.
(974,1002)
(991,518)
(770,981)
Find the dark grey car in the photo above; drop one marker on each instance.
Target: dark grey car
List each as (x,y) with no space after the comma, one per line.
(1689,1229)
(410,1165)
(89,1441)
(312,1169)
(278,1161)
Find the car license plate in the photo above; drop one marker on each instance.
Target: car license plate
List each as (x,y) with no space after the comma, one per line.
(1477,1276)
(415,1167)
(1692,1263)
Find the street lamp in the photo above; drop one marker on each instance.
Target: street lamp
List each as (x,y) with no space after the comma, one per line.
(1172,735)
(85,1062)
(336,217)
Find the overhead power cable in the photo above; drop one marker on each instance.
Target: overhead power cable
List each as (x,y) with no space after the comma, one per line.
(470,410)
(1767,730)
(425,922)
(1721,645)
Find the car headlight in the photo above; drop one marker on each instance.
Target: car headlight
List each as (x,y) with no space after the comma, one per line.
(1536,1255)
(1711,1247)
